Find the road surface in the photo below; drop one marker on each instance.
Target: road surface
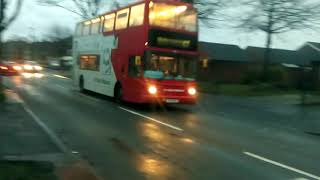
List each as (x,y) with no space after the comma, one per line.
(213,140)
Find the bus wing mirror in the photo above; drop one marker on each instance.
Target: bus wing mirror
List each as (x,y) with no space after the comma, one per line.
(137,60)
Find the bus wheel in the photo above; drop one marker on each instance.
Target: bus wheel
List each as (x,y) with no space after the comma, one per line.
(118,94)
(81,84)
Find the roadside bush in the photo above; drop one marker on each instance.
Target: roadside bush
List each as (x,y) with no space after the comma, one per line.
(252,76)
(279,77)
(262,87)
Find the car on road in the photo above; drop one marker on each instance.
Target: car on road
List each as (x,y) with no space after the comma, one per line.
(31,67)
(10,69)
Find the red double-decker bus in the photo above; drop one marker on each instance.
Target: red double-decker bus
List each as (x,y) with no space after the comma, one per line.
(143,53)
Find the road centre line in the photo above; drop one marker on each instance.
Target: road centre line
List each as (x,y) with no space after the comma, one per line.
(152,119)
(282,165)
(62,77)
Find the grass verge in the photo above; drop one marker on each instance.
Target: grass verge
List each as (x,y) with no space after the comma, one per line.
(243,90)
(26,170)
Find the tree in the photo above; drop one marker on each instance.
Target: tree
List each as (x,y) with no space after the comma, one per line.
(276,17)
(83,8)
(5,19)
(209,10)
(57,32)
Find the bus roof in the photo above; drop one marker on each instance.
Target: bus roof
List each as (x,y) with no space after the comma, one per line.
(133,4)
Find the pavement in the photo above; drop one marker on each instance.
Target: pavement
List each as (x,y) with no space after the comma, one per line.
(25,141)
(220,138)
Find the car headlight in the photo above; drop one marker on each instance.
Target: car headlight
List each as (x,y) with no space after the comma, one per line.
(192,91)
(39,68)
(152,90)
(27,67)
(17,68)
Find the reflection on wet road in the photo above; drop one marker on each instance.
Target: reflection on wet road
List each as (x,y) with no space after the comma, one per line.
(176,142)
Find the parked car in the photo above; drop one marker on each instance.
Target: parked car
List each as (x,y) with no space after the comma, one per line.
(62,63)
(10,69)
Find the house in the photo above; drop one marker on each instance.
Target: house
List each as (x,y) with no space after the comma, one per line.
(277,56)
(221,62)
(230,64)
(310,54)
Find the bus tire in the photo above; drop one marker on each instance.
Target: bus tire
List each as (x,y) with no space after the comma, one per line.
(118,93)
(81,84)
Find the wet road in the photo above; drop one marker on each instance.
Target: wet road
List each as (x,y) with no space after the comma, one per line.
(207,141)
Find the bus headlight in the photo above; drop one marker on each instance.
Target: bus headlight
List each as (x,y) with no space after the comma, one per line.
(152,90)
(192,91)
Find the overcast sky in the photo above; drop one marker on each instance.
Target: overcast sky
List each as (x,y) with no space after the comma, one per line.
(35,21)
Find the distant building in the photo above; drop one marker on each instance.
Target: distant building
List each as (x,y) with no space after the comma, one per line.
(310,55)
(221,62)
(277,56)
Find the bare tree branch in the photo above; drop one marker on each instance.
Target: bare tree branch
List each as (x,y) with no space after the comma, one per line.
(209,11)
(279,16)
(6,21)
(83,8)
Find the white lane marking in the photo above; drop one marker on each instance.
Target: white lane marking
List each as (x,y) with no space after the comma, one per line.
(63,77)
(50,133)
(58,85)
(152,119)
(282,165)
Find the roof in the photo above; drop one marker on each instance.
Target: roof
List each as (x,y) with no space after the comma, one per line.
(310,52)
(223,52)
(278,56)
(314,45)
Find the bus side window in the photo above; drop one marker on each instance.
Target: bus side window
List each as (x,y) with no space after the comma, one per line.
(79,30)
(86,28)
(135,66)
(95,26)
(122,19)
(108,22)
(90,62)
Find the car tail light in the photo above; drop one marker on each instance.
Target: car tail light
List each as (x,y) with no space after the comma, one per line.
(3,68)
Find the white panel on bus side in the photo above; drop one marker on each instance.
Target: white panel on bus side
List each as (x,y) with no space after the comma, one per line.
(102,81)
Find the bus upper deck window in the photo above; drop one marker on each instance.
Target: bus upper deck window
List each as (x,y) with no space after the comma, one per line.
(137,15)
(79,30)
(95,26)
(108,22)
(122,19)
(86,28)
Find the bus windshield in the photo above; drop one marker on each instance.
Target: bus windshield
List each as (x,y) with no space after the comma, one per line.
(170,67)
(172,16)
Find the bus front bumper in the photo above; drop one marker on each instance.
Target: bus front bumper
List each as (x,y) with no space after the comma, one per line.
(169,99)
